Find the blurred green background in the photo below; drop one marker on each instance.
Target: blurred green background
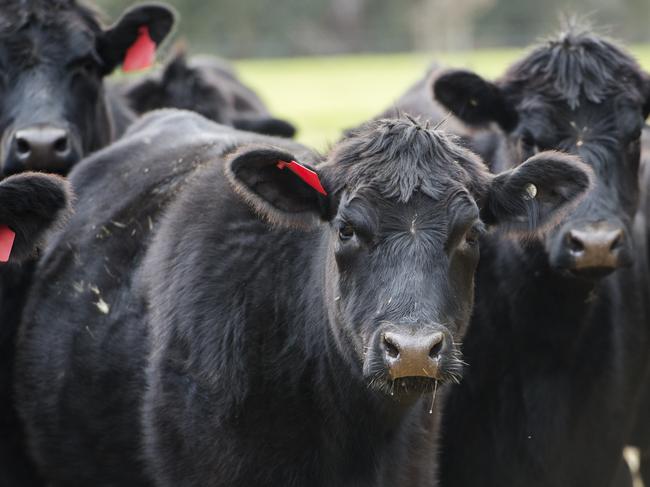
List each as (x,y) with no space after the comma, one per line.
(327,65)
(325,95)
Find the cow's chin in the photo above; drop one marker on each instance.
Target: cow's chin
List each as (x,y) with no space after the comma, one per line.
(405,388)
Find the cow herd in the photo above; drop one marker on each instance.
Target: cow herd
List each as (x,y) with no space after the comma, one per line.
(191,298)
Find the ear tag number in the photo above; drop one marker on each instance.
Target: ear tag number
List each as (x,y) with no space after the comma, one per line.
(7,237)
(142,52)
(306,174)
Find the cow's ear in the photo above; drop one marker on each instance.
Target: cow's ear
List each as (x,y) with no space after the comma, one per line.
(279,188)
(157,91)
(267,126)
(474,100)
(145,95)
(155,20)
(30,204)
(176,67)
(534,194)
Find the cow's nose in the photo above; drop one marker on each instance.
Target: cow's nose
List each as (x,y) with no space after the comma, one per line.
(408,355)
(595,247)
(42,147)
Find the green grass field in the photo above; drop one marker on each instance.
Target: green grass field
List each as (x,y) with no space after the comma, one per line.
(324,95)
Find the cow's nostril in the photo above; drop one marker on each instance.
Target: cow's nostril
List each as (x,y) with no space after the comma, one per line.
(617,240)
(22,146)
(391,348)
(61,144)
(575,244)
(436,349)
(412,353)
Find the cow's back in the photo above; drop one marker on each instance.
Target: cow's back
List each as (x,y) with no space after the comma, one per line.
(84,325)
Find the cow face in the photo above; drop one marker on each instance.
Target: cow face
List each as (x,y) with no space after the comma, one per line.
(209,88)
(399,228)
(582,95)
(53,58)
(29,205)
(181,86)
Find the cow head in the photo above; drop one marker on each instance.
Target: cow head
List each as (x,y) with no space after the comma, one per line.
(180,86)
(53,57)
(30,204)
(209,87)
(399,238)
(582,95)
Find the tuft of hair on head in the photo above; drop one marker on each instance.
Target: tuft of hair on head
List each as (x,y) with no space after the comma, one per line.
(442,122)
(401,156)
(577,62)
(573,25)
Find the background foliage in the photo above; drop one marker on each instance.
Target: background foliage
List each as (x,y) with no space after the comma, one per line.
(263,28)
(304,56)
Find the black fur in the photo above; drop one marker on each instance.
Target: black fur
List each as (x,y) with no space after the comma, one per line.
(54,55)
(640,435)
(474,100)
(30,204)
(208,86)
(53,58)
(556,356)
(198,344)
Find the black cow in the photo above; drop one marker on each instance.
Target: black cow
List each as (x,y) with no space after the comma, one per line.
(640,436)
(54,55)
(559,342)
(196,343)
(208,86)
(30,204)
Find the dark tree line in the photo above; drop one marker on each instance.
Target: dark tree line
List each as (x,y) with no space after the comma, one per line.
(266,28)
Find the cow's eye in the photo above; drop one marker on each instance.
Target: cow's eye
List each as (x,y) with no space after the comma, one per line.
(85,66)
(346,232)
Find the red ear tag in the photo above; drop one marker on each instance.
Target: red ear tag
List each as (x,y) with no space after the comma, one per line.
(307,175)
(142,52)
(7,237)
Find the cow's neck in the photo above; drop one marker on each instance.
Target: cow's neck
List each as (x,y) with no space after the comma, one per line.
(99,130)
(381,435)
(545,311)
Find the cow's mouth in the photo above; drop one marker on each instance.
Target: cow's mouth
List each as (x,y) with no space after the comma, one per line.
(405,387)
(592,273)
(587,275)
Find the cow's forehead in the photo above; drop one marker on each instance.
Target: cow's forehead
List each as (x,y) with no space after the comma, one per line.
(599,69)
(53,43)
(58,18)
(372,204)
(401,157)
(547,116)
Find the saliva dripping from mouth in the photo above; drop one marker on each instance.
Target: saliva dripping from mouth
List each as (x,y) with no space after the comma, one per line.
(433,396)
